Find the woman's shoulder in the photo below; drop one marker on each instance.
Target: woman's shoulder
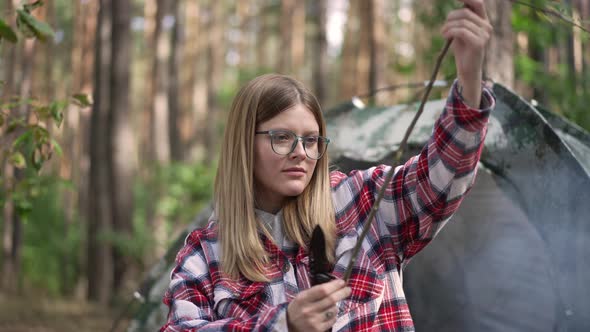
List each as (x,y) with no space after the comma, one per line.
(202,239)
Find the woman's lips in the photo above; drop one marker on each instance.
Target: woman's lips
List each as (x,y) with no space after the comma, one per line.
(295,171)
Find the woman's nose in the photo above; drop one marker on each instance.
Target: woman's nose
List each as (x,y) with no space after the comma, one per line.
(299,151)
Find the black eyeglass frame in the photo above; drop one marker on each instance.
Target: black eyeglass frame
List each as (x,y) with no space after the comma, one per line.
(295,142)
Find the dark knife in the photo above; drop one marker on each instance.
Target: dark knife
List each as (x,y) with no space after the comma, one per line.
(319,266)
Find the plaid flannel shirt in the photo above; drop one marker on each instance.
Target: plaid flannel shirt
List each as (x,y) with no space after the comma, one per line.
(422,196)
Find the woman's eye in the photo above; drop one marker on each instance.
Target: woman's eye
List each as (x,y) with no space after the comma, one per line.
(282,137)
(311,139)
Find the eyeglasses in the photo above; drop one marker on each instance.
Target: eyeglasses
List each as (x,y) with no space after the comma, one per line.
(283,142)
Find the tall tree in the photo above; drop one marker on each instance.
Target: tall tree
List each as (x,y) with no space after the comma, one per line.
(584,10)
(195,96)
(159,104)
(122,146)
(22,80)
(320,64)
(176,43)
(499,58)
(292,28)
(100,256)
(350,48)
(216,60)
(9,57)
(265,23)
(537,52)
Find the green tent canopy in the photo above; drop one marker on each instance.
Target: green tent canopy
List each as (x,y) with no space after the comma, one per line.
(515,255)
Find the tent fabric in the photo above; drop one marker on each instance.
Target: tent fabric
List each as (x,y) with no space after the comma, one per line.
(513,258)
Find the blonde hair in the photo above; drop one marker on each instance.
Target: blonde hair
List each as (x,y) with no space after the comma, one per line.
(242,251)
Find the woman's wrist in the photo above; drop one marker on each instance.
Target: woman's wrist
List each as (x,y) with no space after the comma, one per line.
(470,91)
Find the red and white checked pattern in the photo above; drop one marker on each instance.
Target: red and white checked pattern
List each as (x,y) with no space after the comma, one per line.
(422,196)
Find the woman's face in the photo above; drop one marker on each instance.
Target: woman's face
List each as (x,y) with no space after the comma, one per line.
(280,176)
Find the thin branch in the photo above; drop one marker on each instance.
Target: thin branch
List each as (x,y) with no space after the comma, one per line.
(403,144)
(551,12)
(398,155)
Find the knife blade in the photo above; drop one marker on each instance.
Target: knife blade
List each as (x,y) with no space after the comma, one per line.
(319,266)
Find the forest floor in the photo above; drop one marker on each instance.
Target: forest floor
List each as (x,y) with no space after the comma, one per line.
(19,314)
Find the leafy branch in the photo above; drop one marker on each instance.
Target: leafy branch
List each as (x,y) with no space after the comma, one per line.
(26,143)
(552,12)
(27,25)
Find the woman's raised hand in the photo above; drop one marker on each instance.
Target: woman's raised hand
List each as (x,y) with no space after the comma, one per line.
(470,29)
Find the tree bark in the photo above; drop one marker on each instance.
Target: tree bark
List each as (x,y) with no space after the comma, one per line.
(298,39)
(264,61)
(160,135)
(499,57)
(350,48)
(538,53)
(584,8)
(176,42)
(100,258)
(194,126)
(286,28)
(123,150)
(320,65)
(215,55)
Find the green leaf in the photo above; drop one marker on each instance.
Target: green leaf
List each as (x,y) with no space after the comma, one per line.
(6,32)
(22,139)
(82,100)
(37,159)
(56,110)
(57,147)
(31,6)
(31,27)
(41,134)
(17,160)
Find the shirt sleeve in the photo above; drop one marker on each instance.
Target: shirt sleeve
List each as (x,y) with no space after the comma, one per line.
(190,298)
(427,189)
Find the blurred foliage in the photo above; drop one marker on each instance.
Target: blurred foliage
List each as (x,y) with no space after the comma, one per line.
(52,249)
(175,192)
(564,90)
(50,246)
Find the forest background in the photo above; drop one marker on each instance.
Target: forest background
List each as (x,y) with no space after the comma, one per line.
(111,113)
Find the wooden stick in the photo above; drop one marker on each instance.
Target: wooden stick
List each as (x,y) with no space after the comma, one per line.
(398,156)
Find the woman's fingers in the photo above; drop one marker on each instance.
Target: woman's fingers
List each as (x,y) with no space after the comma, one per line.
(477,6)
(319,292)
(333,298)
(315,308)
(469,19)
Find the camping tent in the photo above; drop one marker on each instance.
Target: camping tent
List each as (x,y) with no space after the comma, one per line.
(515,255)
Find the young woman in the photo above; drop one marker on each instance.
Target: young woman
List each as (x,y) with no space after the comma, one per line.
(248,269)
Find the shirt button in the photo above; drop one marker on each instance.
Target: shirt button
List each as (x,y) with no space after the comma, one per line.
(286,267)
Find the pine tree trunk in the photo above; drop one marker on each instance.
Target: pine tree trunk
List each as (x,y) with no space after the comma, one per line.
(499,58)
(176,42)
(160,136)
(320,65)
(9,54)
(197,81)
(350,48)
(286,28)
(100,258)
(123,150)
(215,55)
(298,39)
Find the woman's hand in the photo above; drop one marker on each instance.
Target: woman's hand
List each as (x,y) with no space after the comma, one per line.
(470,30)
(315,309)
